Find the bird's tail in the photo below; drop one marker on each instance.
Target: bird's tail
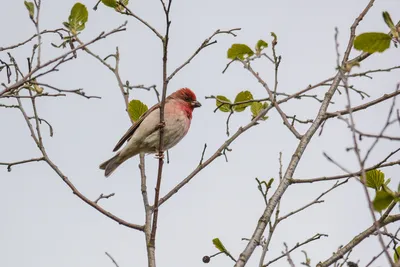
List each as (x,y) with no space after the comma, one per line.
(110,165)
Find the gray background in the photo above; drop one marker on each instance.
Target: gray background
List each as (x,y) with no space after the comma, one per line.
(44,224)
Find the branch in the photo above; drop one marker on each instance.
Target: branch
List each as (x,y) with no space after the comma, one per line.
(73,91)
(104,197)
(45,121)
(274,103)
(37,140)
(313,238)
(305,139)
(148,88)
(353,31)
(378,136)
(63,58)
(10,164)
(315,201)
(112,259)
(363,106)
(32,37)
(89,202)
(217,153)
(361,74)
(365,55)
(205,44)
(383,221)
(343,176)
(130,13)
(161,130)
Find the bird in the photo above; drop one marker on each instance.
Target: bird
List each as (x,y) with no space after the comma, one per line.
(144,135)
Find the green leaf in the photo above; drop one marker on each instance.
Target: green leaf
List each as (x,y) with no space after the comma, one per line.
(375,179)
(261,44)
(388,20)
(270,182)
(110,3)
(382,200)
(121,8)
(240,51)
(257,107)
(78,17)
(31,8)
(218,244)
(240,97)
(387,181)
(224,107)
(136,109)
(66,24)
(372,42)
(396,255)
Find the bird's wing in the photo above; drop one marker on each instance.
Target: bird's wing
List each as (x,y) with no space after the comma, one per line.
(133,128)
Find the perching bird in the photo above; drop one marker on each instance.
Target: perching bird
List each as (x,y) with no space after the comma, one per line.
(144,135)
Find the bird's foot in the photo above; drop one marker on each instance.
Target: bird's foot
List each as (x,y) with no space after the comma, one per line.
(161,125)
(159,155)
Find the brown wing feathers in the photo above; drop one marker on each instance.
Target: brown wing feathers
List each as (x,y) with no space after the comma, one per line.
(133,128)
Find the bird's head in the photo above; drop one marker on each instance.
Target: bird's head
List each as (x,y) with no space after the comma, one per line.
(186,95)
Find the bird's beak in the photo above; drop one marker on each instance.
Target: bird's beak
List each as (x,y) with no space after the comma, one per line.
(196,104)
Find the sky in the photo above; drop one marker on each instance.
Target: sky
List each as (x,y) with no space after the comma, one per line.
(43,224)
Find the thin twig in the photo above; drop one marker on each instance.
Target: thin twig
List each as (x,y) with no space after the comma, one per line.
(10,164)
(104,197)
(311,239)
(383,221)
(207,42)
(62,58)
(112,259)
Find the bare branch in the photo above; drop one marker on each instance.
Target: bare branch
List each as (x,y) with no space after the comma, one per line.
(62,58)
(65,178)
(381,164)
(205,44)
(57,31)
(383,221)
(128,12)
(161,129)
(315,201)
(10,164)
(202,154)
(112,259)
(311,239)
(73,91)
(104,197)
(363,106)
(274,103)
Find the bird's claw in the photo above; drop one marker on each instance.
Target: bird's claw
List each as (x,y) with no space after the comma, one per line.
(159,155)
(161,125)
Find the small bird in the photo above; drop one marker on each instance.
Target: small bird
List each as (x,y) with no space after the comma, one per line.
(144,135)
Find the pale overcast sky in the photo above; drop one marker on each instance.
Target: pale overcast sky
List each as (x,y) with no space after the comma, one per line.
(44,225)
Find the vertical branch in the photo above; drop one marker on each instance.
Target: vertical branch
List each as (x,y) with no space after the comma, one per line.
(277,61)
(38,4)
(162,124)
(353,31)
(148,212)
(39,134)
